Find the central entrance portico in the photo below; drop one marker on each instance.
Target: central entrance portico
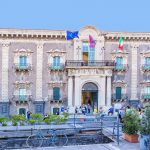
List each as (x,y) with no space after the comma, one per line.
(90,95)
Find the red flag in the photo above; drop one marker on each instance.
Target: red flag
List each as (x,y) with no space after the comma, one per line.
(91,41)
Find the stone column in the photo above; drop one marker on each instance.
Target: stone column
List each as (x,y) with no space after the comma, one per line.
(101,101)
(5,65)
(108,100)
(39,67)
(70,90)
(134,72)
(77,91)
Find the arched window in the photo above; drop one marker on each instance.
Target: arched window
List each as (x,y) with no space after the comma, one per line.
(56,93)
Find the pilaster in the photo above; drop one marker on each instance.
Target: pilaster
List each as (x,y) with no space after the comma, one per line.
(5,65)
(39,71)
(108,91)
(70,90)
(134,48)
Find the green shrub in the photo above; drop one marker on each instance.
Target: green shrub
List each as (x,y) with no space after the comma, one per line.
(32,121)
(4,120)
(145,122)
(37,117)
(18,119)
(131,122)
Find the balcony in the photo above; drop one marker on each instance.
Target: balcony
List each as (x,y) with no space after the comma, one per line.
(22,67)
(146,67)
(22,98)
(121,98)
(78,63)
(52,99)
(146,97)
(122,67)
(55,68)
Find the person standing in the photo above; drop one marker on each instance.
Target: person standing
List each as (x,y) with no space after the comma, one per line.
(28,115)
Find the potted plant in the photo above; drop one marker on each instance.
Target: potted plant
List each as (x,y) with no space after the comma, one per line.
(131,125)
(145,130)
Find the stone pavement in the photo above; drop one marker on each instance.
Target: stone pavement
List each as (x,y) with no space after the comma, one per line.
(111,146)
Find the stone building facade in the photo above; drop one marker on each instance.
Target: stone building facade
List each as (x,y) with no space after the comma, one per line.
(40,70)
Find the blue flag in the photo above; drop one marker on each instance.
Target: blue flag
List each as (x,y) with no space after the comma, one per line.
(72,35)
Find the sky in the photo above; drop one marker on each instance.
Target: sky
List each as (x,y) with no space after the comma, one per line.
(105,15)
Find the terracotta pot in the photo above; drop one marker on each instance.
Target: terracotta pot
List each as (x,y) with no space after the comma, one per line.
(131,138)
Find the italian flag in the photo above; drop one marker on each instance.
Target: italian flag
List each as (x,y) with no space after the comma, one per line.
(120,46)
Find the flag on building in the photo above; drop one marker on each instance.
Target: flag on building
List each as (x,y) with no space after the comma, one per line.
(72,35)
(120,46)
(91,41)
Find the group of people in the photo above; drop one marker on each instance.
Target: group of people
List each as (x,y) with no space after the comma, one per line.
(84,109)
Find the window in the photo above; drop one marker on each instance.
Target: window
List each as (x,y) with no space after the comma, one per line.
(119,63)
(118,92)
(147,60)
(22,60)
(22,94)
(147,90)
(56,93)
(38,108)
(56,61)
(4,108)
(85,46)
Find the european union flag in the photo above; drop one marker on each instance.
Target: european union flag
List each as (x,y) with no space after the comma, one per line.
(72,35)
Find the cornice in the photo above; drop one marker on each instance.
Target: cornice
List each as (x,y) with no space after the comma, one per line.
(32,34)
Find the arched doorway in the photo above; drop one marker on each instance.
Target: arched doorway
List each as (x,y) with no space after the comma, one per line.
(90,95)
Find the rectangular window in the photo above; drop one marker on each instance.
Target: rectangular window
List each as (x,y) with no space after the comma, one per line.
(22,94)
(56,61)
(119,63)
(147,90)
(22,60)
(4,108)
(118,92)
(147,60)
(38,108)
(85,46)
(56,93)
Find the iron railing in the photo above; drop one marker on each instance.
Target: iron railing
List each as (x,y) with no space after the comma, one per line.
(56,100)
(145,96)
(78,63)
(58,67)
(146,67)
(122,67)
(116,97)
(22,98)
(22,67)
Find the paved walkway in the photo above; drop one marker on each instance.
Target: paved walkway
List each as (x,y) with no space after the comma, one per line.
(111,146)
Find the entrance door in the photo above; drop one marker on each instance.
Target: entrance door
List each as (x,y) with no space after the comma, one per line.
(90,95)
(22,111)
(95,100)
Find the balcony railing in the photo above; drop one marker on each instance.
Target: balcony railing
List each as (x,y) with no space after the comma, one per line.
(146,96)
(52,99)
(122,97)
(122,67)
(78,63)
(54,67)
(146,67)
(22,98)
(22,67)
